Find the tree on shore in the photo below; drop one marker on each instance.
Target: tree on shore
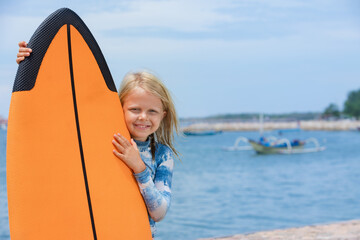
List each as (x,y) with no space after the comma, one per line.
(352,104)
(331,111)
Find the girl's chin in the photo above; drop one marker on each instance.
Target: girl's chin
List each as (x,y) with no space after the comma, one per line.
(140,134)
(140,137)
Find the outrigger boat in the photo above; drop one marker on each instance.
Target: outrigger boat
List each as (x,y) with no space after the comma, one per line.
(284,146)
(265,146)
(272,145)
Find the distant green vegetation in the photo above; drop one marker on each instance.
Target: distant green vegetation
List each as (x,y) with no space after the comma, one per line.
(352,104)
(255,117)
(273,116)
(332,111)
(351,109)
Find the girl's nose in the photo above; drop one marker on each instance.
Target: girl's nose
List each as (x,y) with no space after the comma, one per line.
(142,116)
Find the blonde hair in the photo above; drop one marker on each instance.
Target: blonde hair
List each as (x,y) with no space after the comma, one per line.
(169,124)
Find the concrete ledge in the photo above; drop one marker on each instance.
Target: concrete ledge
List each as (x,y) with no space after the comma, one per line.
(349,230)
(341,125)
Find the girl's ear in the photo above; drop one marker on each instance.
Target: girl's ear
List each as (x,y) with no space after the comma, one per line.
(164,114)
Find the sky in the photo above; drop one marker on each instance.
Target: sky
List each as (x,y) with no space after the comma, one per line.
(215,56)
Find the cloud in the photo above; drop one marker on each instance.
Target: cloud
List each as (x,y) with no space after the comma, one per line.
(184,16)
(191,16)
(305,41)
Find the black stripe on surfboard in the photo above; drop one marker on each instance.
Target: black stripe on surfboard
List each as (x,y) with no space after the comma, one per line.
(79,133)
(40,41)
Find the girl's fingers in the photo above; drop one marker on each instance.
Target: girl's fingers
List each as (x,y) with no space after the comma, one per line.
(23,54)
(119,155)
(19,59)
(23,47)
(22,44)
(26,50)
(119,139)
(122,140)
(118,146)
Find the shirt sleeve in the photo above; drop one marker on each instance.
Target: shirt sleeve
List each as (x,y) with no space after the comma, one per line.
(157,192)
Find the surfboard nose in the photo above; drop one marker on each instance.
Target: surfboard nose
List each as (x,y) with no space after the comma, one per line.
(40,41)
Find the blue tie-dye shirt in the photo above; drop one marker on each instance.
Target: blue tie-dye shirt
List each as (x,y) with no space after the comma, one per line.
(155,181)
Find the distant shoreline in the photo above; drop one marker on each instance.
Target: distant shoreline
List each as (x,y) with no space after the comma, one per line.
(311,125)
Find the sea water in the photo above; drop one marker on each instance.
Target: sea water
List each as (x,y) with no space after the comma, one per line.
(220,193)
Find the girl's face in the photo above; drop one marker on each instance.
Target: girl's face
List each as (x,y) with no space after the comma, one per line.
(143,113)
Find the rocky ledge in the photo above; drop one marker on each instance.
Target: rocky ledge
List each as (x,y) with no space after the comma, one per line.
(349,230)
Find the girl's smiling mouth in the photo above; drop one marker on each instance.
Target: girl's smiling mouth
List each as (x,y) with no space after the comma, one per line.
(141,126)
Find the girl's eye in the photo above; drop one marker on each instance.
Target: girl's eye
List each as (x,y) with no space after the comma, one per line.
(134,109)
(153,111)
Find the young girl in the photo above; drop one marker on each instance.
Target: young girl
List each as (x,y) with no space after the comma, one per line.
(151,119)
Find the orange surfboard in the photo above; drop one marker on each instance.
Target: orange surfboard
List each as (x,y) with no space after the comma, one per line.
(63,180)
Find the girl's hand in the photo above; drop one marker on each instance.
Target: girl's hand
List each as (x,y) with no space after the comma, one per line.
(23,52)
(128,153)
